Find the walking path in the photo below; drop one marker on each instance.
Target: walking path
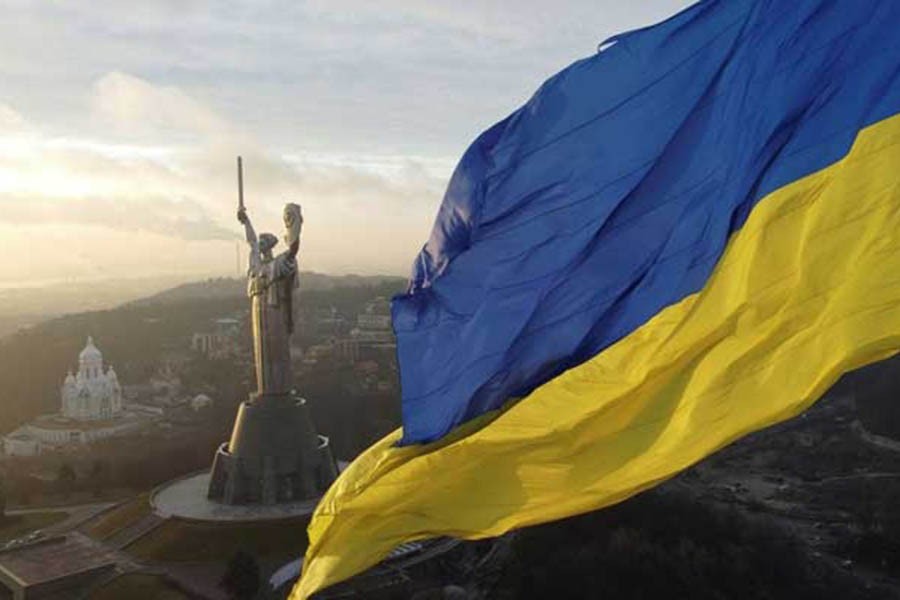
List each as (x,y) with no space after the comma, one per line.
(75,515)
(132,532)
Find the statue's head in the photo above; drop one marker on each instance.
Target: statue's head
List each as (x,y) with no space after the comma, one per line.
(267,241)
(293,221)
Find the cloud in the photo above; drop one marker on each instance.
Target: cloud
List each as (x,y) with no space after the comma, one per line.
(181,219)
(364,213)
(399,76)
(120,122)
(12,122)
(135,106)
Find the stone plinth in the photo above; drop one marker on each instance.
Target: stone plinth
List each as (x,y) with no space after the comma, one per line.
(185,498)
(274,455)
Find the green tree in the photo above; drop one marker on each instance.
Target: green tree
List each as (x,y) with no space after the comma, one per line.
(2,499)
(241,579)
(99,476)
(65,478)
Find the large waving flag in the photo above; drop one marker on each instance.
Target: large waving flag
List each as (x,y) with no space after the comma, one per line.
(675,242)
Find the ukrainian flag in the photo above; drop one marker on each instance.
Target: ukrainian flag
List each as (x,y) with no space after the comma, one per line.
(682,239)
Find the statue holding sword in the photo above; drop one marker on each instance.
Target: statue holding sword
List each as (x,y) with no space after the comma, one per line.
(271,280)
(274,454)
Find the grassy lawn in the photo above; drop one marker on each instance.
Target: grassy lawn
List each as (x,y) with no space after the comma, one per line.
(177,540)
(13,526)
(113,520)
(137,586)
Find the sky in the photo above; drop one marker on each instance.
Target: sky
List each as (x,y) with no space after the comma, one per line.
(120,122)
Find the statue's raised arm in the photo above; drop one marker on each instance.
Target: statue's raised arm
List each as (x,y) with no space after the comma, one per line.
(248,226)
(250,234)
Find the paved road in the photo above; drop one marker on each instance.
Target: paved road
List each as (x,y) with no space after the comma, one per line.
(885,443)
(131,533)
(68,509)
(76,515)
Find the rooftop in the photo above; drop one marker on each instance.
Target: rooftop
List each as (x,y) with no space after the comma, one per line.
(54,558)
(90,351)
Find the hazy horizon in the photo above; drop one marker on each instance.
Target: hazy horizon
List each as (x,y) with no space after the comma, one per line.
(119,125)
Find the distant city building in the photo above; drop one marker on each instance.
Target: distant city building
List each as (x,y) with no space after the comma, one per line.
(172,362)
(21,443)
(91,409)
(372,338)
(318,353)
(221,342)
(346,349)
(201,401)
(326,322)
(164,388)
(376,315)
(366,367)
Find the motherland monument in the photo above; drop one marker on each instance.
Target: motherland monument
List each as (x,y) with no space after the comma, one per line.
(274,454)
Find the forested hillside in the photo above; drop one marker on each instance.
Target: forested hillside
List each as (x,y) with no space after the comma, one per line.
(877,390)
(133,337)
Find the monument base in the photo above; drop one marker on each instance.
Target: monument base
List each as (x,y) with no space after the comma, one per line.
(274,455)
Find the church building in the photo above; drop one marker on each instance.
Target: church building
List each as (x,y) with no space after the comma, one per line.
(91,409)
(93,393)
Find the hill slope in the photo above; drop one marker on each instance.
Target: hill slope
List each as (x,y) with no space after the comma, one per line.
(133,337)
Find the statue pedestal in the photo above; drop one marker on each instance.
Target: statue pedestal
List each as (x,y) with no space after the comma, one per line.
(274,455)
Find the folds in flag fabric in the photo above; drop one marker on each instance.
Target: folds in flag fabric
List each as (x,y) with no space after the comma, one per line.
(675,242)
